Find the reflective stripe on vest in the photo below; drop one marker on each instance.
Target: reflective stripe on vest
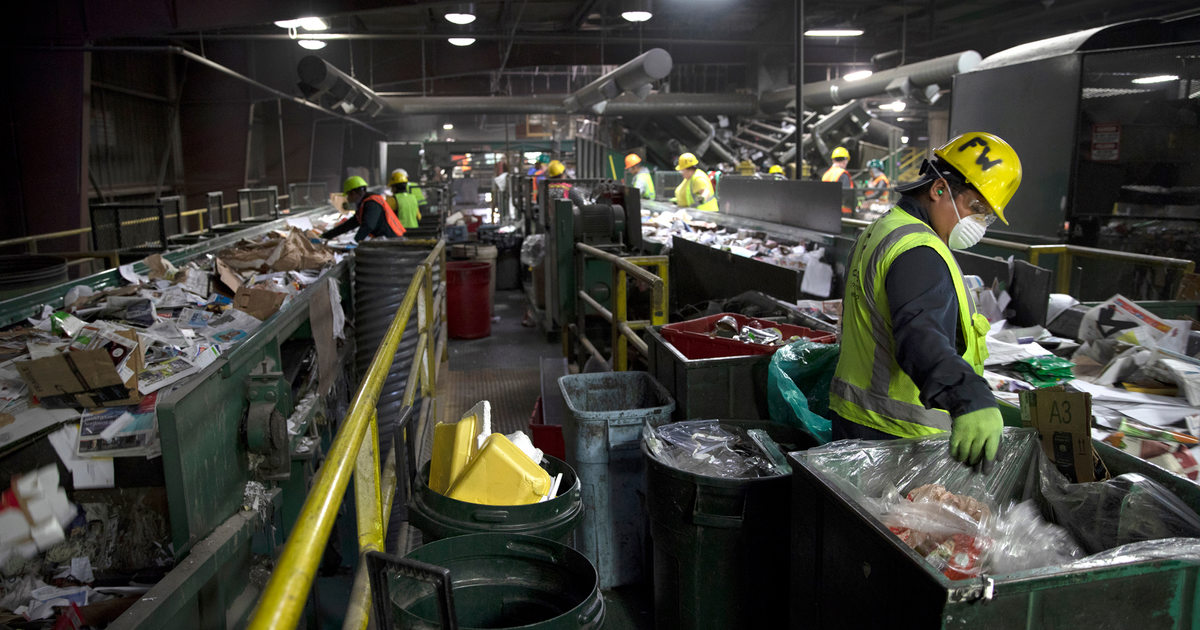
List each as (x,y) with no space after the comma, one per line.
(869,387)
(559,190)
(392,221)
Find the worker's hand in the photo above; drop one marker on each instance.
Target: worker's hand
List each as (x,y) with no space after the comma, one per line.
(976,434)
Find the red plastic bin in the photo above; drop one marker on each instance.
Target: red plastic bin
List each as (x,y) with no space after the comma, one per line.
(548,437)
(693,340)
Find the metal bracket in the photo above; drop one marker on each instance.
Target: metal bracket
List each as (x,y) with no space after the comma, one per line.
(266,427)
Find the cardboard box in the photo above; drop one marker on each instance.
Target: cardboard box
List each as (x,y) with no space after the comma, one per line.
(85,378)
(261,303)
(1064,422)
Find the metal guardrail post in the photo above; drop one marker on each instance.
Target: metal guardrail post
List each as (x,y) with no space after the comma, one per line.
(623,330)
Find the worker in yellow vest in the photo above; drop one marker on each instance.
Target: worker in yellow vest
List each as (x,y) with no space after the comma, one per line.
(403,202)
(417,193)
(913,345)
(373,216)
(642,180)
(695,191)
(838,173)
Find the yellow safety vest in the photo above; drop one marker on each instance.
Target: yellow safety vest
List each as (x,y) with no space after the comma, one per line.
(644,182)
(405,205)
(685,193)
(869,387)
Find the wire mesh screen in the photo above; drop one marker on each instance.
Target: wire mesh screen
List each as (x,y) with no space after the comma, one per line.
(258,204)
(125,225)
(307,195)
(172,215)
(215,214)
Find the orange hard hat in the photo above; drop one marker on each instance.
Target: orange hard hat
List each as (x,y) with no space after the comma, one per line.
(632,160)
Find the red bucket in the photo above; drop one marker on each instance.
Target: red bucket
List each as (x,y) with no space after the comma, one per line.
(468,300)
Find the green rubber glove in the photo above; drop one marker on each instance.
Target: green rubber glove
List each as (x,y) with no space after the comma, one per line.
(976,434)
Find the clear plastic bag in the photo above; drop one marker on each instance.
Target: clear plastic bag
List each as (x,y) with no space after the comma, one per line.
(798,387)
(1038,518)
(533,250)
(706,448)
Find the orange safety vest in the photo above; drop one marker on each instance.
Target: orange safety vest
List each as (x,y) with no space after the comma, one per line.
(878,182)
(559,190)
(834,174)
(392,220)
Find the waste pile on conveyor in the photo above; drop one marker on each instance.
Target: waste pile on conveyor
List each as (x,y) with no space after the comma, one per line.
(661,227)
(96,366)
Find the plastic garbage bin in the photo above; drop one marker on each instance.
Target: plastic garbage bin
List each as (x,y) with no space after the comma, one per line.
(468,303)
(439,516)
(606,412)
(503,581)
(719,542)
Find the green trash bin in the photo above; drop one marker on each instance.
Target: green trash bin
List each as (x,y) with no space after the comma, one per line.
(601,433)
(439,516)
(503,581)
(720,544)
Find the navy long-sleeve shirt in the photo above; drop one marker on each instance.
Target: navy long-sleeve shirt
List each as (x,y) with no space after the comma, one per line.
(369,219)
(925,325)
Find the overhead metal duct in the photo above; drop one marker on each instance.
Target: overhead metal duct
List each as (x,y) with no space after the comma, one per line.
(900,81)
(674,104)
(322,82)
(633,77)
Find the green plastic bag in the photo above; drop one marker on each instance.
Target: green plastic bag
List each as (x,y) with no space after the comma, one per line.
(798,386)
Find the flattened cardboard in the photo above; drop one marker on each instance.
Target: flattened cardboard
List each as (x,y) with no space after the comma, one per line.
(83,378)
(228,276)
(1064,422)
(261,303)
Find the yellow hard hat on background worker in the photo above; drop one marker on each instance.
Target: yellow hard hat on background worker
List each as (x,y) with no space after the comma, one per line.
(840,153)
(354,182)
(686,160)
(399,176)
(775,170)
(555,168)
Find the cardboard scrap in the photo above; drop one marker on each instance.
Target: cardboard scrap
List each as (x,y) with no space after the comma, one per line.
(228,276)
(1064,422)
(87,378)
(261,303)
(159,268)
(292,252)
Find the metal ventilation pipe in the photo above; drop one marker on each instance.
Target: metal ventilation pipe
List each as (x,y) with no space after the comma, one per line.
(635,77)
(899,80)
(673,104)
(335,89)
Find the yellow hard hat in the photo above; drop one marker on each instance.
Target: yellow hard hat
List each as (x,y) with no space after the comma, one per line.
(398,177)
(687,160)
(989,164)
(555,168)
(353,182)
(777,169)
(841,153)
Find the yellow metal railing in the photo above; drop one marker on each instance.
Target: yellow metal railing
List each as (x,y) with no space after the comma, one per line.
(1068,253)
(354,452)
(624,331)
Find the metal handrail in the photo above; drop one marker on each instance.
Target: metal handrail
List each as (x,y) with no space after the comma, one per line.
(49,236)
(1067,253)
(624,332)
(353,452)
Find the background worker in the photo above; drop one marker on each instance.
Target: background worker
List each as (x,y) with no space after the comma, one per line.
(642,180)
(538,173)
(403,202)
(557,188)
(695,191)
(372,216)
(776,172)
(417,193)
(877,188)
(913,347)
(837,173)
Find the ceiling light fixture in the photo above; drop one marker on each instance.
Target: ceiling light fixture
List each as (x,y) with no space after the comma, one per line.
(461,14)
(461,41)
(858,75)
(1159,78)
(636,10)
(306,23)
(833,32)
(903,139)
(448,126)
(311,44)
